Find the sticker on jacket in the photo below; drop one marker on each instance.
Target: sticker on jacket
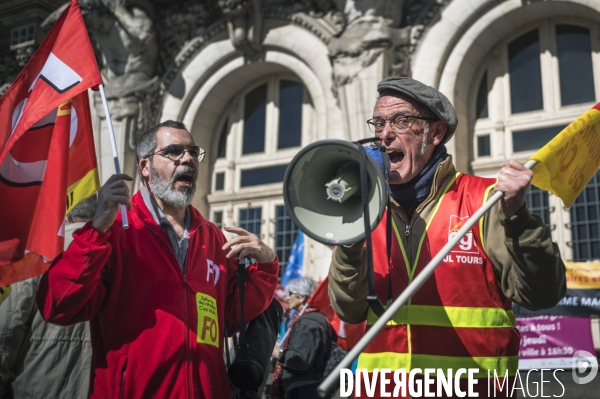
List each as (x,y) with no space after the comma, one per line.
(466,251)
(208,319)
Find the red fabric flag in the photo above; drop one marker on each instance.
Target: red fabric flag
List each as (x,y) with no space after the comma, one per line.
(47,157)
(348,334)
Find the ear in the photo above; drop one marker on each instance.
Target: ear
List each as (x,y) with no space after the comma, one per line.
(144,165)
(439,131)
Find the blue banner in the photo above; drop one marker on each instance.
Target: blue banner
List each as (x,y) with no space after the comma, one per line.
(293,268)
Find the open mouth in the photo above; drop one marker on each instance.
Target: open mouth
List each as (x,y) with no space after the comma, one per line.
(185,179)
(395,156)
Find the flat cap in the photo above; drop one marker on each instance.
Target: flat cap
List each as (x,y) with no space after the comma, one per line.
(426,95)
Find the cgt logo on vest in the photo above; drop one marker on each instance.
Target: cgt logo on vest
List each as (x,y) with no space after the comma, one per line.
(466,251)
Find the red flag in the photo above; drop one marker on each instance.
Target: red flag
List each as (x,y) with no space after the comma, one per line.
(348,334)
(47,158)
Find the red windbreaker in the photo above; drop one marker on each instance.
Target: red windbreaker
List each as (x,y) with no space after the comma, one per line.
(155,331)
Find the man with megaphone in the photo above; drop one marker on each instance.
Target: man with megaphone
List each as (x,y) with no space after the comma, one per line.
(461,317)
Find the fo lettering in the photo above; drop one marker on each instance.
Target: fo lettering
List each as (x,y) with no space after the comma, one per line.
(209,325)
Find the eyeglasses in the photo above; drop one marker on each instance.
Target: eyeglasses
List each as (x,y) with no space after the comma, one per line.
(175,152)
(398,123)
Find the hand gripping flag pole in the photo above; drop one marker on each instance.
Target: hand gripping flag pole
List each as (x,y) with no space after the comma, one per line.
(327,385)
(113,143)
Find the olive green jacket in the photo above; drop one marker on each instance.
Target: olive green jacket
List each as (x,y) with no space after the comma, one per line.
(528,266)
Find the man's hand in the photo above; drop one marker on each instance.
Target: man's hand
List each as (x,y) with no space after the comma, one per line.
(110,197)
(248,244)
(276,351)
(513,181)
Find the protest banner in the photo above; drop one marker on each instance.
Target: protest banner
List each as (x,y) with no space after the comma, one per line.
(583,292)
(552,342)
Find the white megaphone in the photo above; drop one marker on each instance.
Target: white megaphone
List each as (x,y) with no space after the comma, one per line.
(322,192)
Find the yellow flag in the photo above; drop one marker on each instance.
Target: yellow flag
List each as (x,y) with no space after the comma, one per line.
(567,163)
(583,275)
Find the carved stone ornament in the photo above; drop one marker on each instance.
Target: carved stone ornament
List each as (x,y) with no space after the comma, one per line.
(371,30)
(143,44)
(9,69)
(244,24)
(126,38)
(11,64)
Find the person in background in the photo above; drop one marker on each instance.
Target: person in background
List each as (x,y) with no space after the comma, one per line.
(158,294)
(40,359)
(302,359)
(462,315)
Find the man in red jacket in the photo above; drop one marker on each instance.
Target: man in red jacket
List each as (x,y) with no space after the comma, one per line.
(159,294)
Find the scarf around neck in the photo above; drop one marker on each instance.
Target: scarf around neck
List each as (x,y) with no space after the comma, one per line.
(418,188)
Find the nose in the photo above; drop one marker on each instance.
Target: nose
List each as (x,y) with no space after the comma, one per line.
(186,157)
(387,134)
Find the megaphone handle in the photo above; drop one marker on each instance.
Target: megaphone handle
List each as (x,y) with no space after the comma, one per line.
(372,298)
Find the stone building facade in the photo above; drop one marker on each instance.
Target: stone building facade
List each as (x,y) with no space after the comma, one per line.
(256,80)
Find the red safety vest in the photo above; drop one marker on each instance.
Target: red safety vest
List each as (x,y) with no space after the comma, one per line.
(459,318)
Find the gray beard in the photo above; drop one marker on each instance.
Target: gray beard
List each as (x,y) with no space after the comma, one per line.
(165,190)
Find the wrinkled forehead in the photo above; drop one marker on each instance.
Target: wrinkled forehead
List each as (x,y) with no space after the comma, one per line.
(391,102)
(167,136)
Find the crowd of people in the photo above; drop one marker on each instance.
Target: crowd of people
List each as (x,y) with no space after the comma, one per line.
(142,312)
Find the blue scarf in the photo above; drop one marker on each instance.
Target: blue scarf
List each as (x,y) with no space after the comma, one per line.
(411,194)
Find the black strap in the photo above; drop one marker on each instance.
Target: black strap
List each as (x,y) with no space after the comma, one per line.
(388,225)
(372,298)
(227,346)
(241,275)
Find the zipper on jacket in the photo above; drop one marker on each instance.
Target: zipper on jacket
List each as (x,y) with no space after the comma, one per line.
(187,322)
(122,393)
(410,254)
(186,309)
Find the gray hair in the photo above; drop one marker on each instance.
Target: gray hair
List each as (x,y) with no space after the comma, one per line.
(85,209)
(147,143)
(301,286)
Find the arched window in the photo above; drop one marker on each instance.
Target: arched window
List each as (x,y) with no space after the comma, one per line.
(259,134)
(530,86)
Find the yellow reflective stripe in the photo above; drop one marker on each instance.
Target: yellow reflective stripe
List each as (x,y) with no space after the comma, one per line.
(395,361)
(411,268)
(450,316)
(481,232)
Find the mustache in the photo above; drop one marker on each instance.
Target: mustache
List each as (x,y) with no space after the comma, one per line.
(184,170)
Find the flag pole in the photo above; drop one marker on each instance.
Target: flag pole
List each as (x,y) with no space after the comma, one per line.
(113,143)
(328,383)
(288,330)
